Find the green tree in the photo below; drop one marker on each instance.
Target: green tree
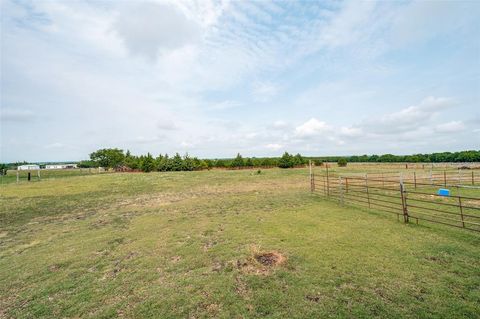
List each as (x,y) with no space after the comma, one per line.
(176,163)
(342,162)
(298,160)
(87,164)
(108,157)
(132,161)
(249,162)
(238,161)
(3,169)
(286,161)
(147,163)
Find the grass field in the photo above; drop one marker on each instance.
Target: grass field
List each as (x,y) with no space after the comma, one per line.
(190,245)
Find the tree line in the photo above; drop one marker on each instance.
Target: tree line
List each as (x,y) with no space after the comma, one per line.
(119,160)
(443,157)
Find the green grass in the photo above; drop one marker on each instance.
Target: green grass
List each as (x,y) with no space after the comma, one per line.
(11,176)
(181,245)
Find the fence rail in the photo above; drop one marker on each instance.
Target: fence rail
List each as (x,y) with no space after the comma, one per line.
(406,198)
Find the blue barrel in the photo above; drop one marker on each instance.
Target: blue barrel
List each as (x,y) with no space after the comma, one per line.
(444,192)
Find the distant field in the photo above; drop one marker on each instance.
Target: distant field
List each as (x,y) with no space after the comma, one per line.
(11,176)
(222,244)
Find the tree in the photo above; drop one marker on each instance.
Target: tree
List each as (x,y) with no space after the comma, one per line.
(238,161)
(108,157)
(176,163)
(87,164)
(209,163)
(132,161)
(188,163)
(286,161)
(249,162)
(342,162)
(298,160)
(147,163)
(3,169)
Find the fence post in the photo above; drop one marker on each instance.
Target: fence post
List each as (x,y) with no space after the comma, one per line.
(38,173)
(445,178)
(324,185)
(341,189)
(311,176)
(415,179)
(366,185)
(346,184)
(461,210)
(473,179)
(328,181)
(404,203)
(17,176)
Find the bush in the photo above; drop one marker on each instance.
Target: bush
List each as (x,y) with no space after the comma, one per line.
(238,161)
(318,162)
(286,161)
(342,162)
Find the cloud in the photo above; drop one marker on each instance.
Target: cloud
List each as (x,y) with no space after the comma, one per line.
(279,125)
(312,127)
(274,146)
(150,28)
(264,91)
(351,131)
(166,125)
(450,127)
(225,105)
(409,118)
(12,115)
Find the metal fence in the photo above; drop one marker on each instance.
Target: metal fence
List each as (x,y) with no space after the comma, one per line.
(410,199)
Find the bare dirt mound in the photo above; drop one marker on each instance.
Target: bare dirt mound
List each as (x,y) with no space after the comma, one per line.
(270,259)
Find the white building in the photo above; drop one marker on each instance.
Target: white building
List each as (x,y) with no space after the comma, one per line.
(60,166)
(28,167)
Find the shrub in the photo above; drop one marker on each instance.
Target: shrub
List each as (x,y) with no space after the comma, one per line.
(238,161)
(342,162)
(286,161)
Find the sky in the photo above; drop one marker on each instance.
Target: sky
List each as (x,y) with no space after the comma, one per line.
(213,78)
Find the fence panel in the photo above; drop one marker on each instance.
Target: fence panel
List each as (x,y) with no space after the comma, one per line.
(411,196)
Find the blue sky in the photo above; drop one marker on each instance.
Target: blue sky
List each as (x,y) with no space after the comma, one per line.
(213,78)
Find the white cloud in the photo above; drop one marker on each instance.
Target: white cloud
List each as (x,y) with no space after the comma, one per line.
(264,91)
(409,118)
(224,105)
(280,125)
(450,127)
(150,28)
(166,125)
(274,146)
(312,127)
(351,131)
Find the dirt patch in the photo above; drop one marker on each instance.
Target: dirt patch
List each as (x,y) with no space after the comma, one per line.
(175,259)
(54,268)
(260,263)
(270,259)
(313,298)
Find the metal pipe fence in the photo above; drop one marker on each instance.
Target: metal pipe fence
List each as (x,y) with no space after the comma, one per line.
(409,199)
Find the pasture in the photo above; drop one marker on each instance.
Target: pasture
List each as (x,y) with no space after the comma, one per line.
(222,244)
